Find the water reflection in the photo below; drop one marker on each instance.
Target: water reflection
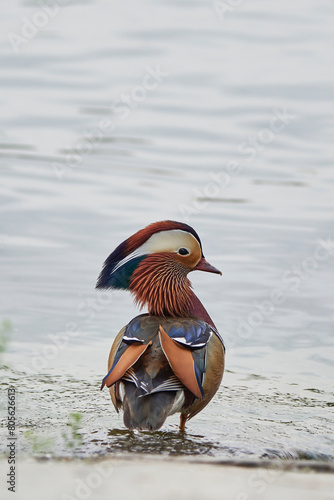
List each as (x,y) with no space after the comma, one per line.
(159,442)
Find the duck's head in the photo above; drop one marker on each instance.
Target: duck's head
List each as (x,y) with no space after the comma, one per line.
(153,264)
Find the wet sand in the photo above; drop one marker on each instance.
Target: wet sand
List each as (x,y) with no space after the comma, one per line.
(144,477)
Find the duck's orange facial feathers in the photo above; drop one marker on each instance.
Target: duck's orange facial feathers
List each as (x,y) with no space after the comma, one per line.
(161,282)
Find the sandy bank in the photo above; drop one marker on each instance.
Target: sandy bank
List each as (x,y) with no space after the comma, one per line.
(158,478)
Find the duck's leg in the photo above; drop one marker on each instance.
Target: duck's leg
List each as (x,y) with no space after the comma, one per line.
(183,419)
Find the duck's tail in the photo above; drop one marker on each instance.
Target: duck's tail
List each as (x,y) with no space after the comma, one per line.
(146,412)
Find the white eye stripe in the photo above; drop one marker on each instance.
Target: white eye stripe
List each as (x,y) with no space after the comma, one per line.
(170,241)
(163,241)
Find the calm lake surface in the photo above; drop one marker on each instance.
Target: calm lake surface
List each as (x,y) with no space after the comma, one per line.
(118,114)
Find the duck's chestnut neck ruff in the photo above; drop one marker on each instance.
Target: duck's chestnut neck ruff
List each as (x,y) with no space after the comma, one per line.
(153,264)
(161,282)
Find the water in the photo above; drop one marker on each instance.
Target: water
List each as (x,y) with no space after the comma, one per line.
(233,134)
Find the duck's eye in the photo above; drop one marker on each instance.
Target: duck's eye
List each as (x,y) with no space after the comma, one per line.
(183,251)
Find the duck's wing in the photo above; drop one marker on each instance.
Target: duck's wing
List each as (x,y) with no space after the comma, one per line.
(215,361)
(129,345)
(185,343)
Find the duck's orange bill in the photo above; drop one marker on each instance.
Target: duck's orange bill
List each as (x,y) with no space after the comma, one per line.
(131,355)
(204,265)
(181,362)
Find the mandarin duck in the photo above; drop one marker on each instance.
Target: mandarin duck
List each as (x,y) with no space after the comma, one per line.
(171,359)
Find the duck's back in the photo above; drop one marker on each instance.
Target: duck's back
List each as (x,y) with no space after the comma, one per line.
(159,366)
